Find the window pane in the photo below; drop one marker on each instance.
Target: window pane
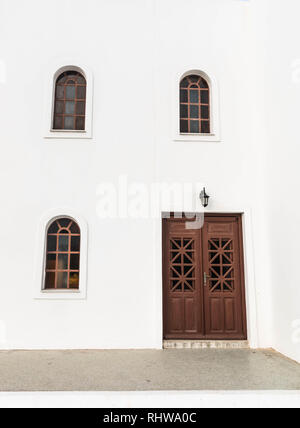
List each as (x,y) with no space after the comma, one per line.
(69,122)
(51,262)
(53,228)
(194,112)
(81,90)
(71,74)
(51,243)
(80,123)
(74,280)
(205,127)
(63,243)
(59,107)
(194,78)
(194,125)
(80,107)
(75,243)
(74,262)
(183,110)
(184,126)
(194,96)
(184,83)
(70,92)
(60,90)
(183,96)
(62,78)
(50,280)
(203,83)
(58,121)
(70,107)
(63,261)
(204,112)
(81,79)
(204,97)
(62,280)
(64,222)
(74,228)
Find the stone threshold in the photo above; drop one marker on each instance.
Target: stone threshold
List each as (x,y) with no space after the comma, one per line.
(205,344)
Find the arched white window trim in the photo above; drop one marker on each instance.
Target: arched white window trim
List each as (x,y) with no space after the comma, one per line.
(51,76)
(214,135)
(39,280)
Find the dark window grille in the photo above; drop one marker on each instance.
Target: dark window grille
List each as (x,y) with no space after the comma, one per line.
(62,255)
(70,101)
(194,105)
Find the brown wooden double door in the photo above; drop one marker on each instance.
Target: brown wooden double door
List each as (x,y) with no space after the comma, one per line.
(203,280)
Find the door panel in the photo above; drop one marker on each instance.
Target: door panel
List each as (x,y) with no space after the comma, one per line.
(229,311)
(190,312)
(183,316)
(221,263)
(216,315)
(203,279)
(176,315)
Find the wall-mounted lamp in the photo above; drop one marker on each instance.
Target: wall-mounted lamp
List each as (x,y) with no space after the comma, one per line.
(204,198)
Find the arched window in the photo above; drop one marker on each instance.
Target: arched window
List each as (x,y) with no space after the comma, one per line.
(70,101)
(194,105)
(62,255)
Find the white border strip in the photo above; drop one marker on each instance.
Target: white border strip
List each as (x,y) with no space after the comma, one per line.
(165,399)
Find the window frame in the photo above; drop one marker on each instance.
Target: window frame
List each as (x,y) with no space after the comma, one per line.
(40,293)
(194,111)
(59,253)
(63,100)
(50,86)
(214,135)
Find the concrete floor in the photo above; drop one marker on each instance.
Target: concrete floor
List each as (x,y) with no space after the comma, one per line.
(145,370)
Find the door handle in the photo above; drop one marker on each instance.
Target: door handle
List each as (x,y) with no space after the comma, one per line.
(205,278)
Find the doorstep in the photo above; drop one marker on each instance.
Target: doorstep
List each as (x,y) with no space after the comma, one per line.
(205,344)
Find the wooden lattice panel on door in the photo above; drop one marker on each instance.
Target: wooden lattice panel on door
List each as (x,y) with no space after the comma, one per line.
(221,271)
(182,265)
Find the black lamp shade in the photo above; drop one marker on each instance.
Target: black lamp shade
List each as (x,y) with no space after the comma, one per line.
(204,198)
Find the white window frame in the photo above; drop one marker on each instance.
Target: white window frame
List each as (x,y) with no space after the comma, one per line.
(40,293)
(50,82)
(215,134)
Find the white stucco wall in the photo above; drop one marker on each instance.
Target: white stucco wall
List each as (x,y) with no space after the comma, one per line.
(135,51)
(279,73)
